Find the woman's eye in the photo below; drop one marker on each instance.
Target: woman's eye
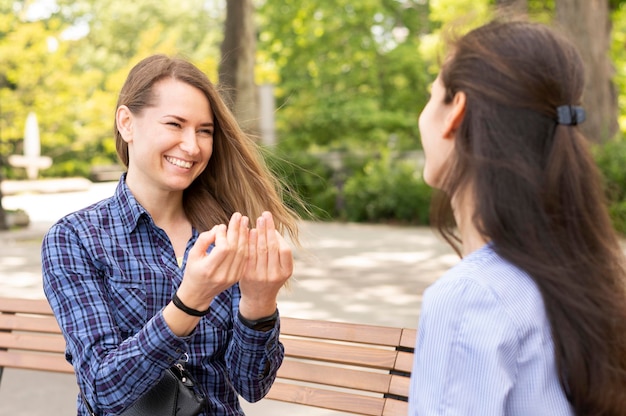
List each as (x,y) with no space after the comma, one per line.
(173,124)
(206,132)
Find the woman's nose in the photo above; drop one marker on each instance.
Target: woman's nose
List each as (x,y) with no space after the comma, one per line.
(189,142)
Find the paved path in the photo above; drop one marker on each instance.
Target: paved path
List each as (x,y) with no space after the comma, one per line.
(370,274)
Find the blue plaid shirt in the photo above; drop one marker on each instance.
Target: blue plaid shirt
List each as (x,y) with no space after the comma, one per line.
(108,272)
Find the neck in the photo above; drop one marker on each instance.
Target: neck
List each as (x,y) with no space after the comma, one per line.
(464,208)
(165,207)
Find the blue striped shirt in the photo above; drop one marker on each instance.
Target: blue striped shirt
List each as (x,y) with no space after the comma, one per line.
(484,345)
(108,272)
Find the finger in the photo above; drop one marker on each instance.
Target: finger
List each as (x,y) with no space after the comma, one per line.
(203,243)
(252,247)
(273,246)
(220,235)
(285,256)
(242,245)
(261,243)
(234,227)
(244,233)
(271,233)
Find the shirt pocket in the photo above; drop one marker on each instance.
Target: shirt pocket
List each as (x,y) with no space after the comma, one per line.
(128,297)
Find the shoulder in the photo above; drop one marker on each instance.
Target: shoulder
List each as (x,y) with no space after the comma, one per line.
(489,287)
(117,213)
(86,219)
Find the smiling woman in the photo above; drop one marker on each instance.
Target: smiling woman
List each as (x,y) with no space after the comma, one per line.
(169,142)
(168,267)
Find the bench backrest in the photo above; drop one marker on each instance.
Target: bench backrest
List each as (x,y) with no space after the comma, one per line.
(354,368)
(361,369)
(30,337)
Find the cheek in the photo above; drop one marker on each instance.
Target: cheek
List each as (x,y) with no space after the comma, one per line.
(421,121)
(206,149)
(206,146)
(426,129)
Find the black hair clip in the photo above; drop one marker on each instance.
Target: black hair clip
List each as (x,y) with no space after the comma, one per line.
(570,115)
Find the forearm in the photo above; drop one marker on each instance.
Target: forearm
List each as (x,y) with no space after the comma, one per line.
(253,358)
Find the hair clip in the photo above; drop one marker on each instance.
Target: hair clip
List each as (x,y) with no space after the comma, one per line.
(570,115)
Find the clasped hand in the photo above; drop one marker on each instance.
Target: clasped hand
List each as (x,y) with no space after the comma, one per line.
(259,259)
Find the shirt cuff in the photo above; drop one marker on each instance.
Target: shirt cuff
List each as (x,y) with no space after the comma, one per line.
(159,343)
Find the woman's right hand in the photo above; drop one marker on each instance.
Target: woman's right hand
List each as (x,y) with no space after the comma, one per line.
(208,274)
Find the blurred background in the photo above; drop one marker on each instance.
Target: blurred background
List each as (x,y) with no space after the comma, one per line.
(331,89)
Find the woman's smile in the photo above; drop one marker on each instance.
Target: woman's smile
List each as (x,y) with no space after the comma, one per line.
(179,162)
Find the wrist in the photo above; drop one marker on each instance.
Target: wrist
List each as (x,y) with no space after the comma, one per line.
(263,324)
(188,310)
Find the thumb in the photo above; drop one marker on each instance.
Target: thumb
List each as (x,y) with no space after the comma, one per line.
(203,243)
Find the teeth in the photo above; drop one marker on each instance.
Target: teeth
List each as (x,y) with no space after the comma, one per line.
(179,163)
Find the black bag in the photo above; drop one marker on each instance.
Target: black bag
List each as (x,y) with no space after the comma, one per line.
(173,395)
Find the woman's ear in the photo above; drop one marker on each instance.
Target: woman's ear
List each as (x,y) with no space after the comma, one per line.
(124,123)
(455,115)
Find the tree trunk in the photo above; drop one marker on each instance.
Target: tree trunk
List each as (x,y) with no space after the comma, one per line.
(588,23)
(236,72)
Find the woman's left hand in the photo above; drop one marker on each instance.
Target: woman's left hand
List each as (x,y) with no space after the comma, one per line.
(269,266)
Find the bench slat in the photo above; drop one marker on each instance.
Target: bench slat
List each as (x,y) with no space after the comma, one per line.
(395,408)
(408,338)
(340,331)
(404,362)
(34,361)
(340,353)
(335,376)
(29,323)
(326,399)
(26,341)
(399,385)
(37,306)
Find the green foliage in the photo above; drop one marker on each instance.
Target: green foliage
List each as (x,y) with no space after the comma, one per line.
(308,179)
(387,190)
(349,73)
(354,187)
(618,55)
(611,159)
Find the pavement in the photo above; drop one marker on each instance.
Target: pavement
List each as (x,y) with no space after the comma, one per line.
(371,274)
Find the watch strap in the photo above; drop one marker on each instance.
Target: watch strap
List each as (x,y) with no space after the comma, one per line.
(262,324)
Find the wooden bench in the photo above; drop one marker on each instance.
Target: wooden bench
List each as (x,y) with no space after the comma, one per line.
(353,368)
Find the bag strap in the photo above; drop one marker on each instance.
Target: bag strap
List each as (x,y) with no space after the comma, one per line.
(91,412)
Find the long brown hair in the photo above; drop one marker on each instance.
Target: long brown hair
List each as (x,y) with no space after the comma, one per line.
(538,197)
(236,178)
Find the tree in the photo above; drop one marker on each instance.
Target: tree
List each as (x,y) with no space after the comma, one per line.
(350,75)
(589,25)
(236,72)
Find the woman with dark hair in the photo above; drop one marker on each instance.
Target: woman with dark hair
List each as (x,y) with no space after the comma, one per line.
(153,274)
(532,321)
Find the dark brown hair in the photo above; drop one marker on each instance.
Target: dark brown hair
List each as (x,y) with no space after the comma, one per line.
(538,197)
(236,178)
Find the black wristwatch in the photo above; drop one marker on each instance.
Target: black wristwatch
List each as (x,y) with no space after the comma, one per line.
(262,324)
